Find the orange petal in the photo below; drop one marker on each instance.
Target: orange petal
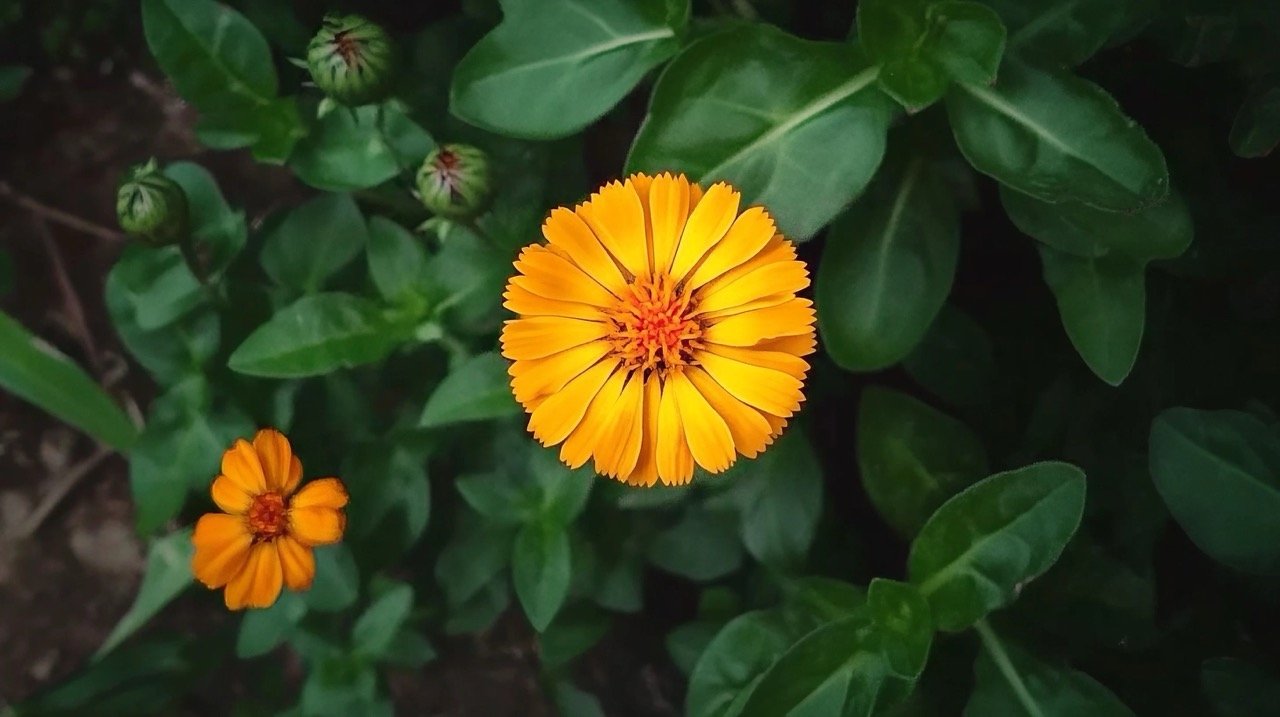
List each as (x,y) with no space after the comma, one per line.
(768,390)
(321,493)
(789,364)
(582,441)
(675,462)
(259,583)
(222,548)
(790,319)
(779,277)
(708,436)
(230,497)
(521,301)
(616,216)
(668,211)
(540,336)
(646,471)
(750,430)
(316,526)
(240,463)
(297,561)
(707,224)
(749,234)
(799,345)
(567,231)
(618,443)
(539,378)
(283,470)
(555,418)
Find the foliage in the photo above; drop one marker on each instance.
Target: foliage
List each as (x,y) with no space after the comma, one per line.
(1029,206)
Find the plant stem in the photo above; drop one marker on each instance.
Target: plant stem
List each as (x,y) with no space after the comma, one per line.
(995,648)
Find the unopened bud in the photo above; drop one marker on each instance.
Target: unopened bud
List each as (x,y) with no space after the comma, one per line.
(351,60)
(152,207)
(454,181)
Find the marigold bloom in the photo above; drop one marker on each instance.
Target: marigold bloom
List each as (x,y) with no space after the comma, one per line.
(264,539)
(658,327)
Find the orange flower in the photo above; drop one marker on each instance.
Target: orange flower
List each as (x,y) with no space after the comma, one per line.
(266,535)
(658,327)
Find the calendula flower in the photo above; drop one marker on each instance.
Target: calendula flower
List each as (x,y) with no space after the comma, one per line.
(264,538)
(658,327)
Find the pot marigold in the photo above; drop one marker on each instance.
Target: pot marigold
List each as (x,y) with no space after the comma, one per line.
(658,327)
(264,538)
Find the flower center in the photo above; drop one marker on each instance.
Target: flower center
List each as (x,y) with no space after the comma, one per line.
(268,517)
(653,326)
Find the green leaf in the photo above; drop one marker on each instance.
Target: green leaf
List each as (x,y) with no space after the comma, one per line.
(887,269)
(554,66)
(36,372)
(502,499)
(1235,688)
(1162,231)
(397,260)
(734,662)
(390,497)
(1219,474)
(262,631)
(376,629)
(1061,32)
(573,702)
(912,457)
(338,686)
(572,633)
(168,573)
(976,553)
(12,80)
(179,451)
(703,546)
(1256,130)
(564,491)
(169,354)
(158,284)
(779,496)
(796,126)
(1059,138)
(219,232)
(360,147)
(467,278)
(314,241)
(540,569)
(477,552)
(480,612)
(477,390)
(1010,682)
(337,583)
(409,650)
(955,360)
(1103,304)
(318,334)
(142,678)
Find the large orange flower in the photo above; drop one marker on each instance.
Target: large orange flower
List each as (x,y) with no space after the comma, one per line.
(658,327)
(265,537)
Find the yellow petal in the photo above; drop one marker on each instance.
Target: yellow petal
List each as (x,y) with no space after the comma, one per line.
(316,526)
(566,230)
(240,464)
(540,336)
(750,430)
(668,210)
(789,364)
(776,250)
(645,472)
(618,444)
(766,389)
(779,277)
(675,462)
(548,274)
(749,234)
(709,439)
(321,493)
(222,548)
(799,345)
(555,418)
(539,378)
(297,561)
(283,470)
(581,442)
(230,497)
(258,584)
(616,216)
(763,302)
(526,303)
(789,319)
(707,224)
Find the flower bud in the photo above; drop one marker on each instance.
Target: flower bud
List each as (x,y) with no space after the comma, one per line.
(454,181)
(152,207)
(350,59)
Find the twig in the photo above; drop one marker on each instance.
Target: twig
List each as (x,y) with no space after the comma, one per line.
(72,308)
(61,488)
(57,215)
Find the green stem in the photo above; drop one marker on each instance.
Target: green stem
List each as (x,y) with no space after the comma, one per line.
(188,247)
(995,648)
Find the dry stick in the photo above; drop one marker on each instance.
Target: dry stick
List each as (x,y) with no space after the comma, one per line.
(72,308)
(61,488)
(57,215)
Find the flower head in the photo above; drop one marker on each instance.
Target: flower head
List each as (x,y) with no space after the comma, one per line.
(454,181)
(351,60)
(658,327)
(264,538)
(150,206)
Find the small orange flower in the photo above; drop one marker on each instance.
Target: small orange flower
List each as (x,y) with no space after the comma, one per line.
(658,327)
(264,539)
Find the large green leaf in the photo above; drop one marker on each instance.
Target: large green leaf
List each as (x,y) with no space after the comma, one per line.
(1066,32)
(540,569)
(703,546)
(36,372)
(797,126)
(979,549)
(397,260)
(1236,688)
(337,583)
(378,626)
(1057,137)
(168,573)
(1256,130)
(477,552)
(313,241)
(262,631)
(318,334)
(955,360)
(1011,683)
(477,390)
(554,66)
(1162,231)
(218,230)
(158,284)
(734,662)
(1219,474)
(1103,304)
(913,457)
(350,149)
(887,269)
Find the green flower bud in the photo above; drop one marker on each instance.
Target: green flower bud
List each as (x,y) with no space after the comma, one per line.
(454,181)
(351,59)
(152,207)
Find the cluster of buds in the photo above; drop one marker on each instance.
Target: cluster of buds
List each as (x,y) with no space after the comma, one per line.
(454,181)
(151,207)
(351,60)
